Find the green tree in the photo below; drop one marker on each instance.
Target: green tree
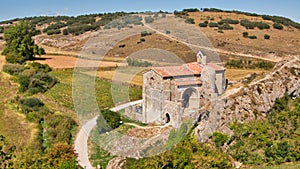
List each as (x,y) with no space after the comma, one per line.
(19,43)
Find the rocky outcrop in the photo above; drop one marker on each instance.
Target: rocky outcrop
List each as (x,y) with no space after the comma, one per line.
(116,163)
(254,101)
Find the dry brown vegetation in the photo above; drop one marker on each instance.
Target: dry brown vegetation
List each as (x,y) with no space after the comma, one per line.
(152,41)
(62,62)
(281,43)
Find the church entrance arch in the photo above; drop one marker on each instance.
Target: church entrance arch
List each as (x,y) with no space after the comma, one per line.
(190,98)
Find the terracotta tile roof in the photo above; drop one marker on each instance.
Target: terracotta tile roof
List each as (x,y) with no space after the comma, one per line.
(172,71)
(194,67)
(184,70)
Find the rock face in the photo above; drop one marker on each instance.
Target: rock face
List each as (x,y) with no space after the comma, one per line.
(255,100)
(116,163)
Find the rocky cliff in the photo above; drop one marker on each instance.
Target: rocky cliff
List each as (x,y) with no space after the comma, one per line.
(255,100)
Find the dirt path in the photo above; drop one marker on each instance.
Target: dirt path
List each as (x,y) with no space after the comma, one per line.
(211,49)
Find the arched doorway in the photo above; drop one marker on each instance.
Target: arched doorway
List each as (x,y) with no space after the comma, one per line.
(190,98)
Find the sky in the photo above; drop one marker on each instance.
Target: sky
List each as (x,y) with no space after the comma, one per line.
(10,9)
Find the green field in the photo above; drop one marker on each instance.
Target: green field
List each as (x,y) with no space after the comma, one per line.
(62,94)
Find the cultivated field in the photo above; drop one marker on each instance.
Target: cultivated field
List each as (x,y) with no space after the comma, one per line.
(63,61)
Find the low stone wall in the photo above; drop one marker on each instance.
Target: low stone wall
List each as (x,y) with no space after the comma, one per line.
(134,112)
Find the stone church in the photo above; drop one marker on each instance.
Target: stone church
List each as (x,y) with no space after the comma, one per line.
(175,92)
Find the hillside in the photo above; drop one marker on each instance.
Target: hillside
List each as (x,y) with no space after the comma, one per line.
(281,42)
(71,34)
(41,108)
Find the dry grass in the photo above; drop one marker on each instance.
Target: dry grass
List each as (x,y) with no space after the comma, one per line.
(238,74)
(282,42)
(13,125)
(152,41)
(63,61)
(129,75)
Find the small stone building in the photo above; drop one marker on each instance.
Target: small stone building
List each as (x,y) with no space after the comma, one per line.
(175,92)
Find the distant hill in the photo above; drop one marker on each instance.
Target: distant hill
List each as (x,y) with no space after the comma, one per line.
(233,31)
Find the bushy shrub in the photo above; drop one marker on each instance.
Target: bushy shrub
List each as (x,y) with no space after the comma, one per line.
(277,26)
(13,69)
(203,24)
(245,34)
(53,31)
(31,104)
(190,21)
(149,19)
(38,67)
(220,23)
(55,26)
(230,21)
(35,79)
(262,25)
(251,25)
(23,82)
(247,24)
(213,24)
(59,128)
(252,37)
(264,65)
(226,26)
(142,40)
(145,33)
(266,36)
